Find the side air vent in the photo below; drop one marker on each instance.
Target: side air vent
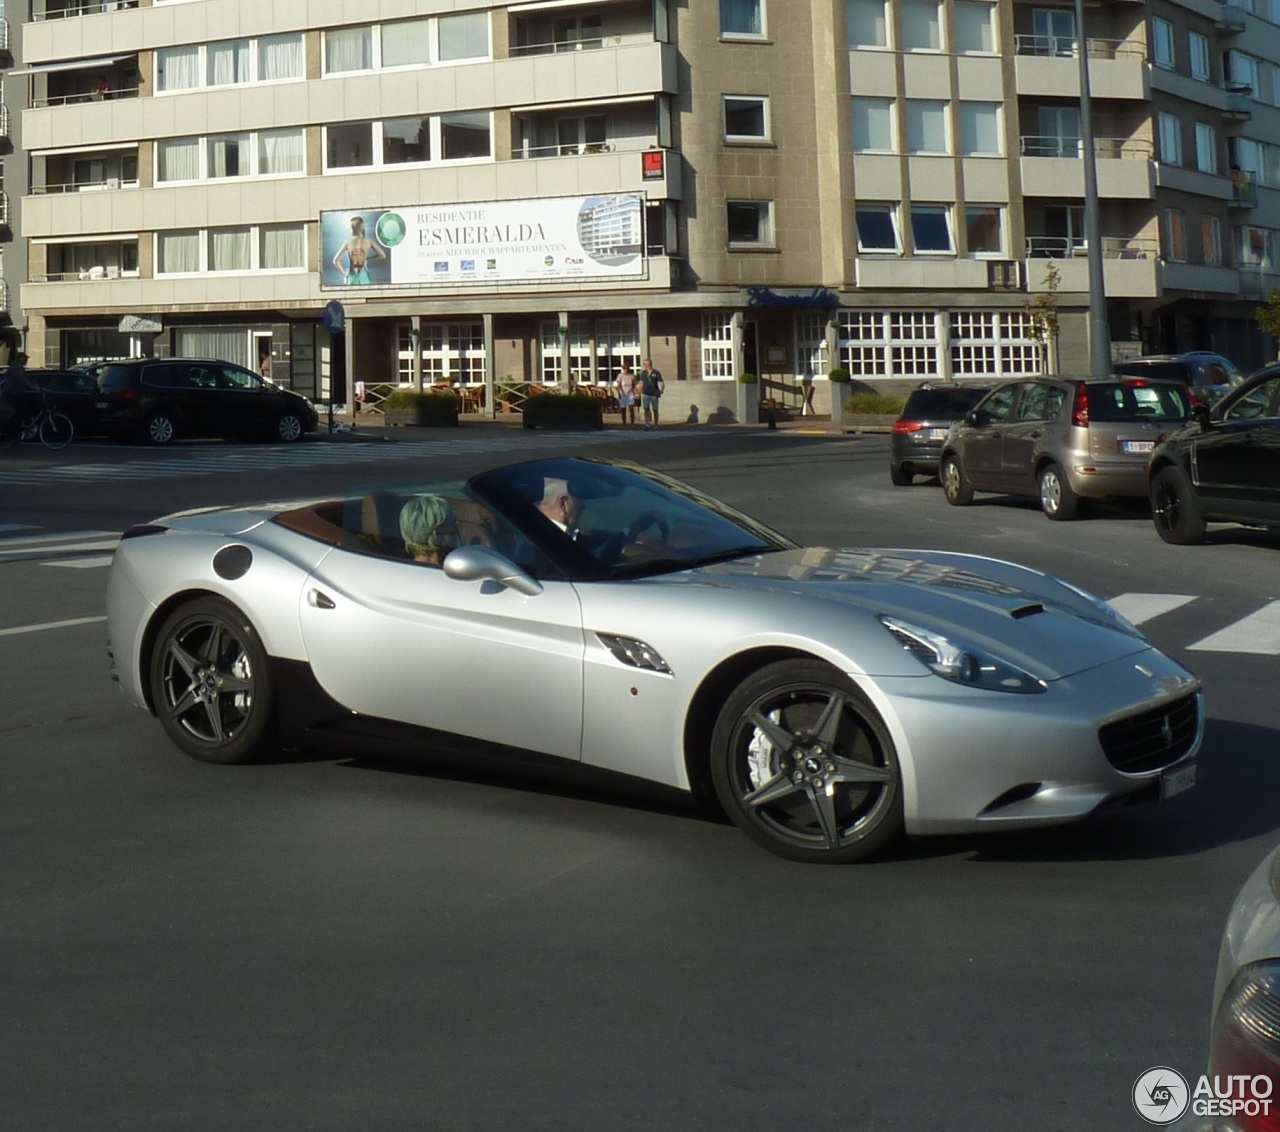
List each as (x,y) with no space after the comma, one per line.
(633,653)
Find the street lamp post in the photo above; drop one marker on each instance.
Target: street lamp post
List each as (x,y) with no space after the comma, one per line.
(1099,332)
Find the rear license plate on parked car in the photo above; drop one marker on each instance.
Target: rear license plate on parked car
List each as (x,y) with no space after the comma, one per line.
(938,434)
(1177,780)
(1137,446)
(100,404)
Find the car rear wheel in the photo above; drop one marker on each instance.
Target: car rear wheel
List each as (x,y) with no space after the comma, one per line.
(211,685)
(289,428)
(159,429)
(1175,508)
(899,476)
(955,486)
(804,765)
(1057,499)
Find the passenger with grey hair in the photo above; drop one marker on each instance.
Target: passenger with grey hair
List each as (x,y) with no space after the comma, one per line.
(560,505)
(429,528)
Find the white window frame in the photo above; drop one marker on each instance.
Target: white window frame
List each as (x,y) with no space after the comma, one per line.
(1170,138)
(949,216)
(204,235)
(895,219)
(999,120)
(717,346)
(993,25)
(886,104)
(254,146)
(202,67)
(377,159)
(765,231)
(936,104)
(879,344)
(763,102)
(1206,148)
(994,345)
(763,33)
(1200,57)
(884,23)
(904,6)
(1174,217)
(1002,212)
(1163,47)
(1214,225)
(376,31)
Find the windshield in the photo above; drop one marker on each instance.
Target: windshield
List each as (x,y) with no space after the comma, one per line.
(1137,401)
(601,520)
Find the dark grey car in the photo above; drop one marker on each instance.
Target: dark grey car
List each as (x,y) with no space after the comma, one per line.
(921,430)
(1209,377)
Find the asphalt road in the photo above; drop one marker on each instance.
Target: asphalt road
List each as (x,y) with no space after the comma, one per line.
(338,944)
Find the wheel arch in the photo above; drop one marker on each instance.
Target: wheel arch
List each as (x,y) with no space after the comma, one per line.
(152,630)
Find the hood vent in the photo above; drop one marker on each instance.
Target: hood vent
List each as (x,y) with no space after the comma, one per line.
(1026,611)
(634,653)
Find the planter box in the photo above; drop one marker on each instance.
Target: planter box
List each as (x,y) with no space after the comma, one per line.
(571,414)
(422,418)
(869,422)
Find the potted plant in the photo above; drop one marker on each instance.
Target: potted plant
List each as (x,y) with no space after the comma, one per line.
(748,398)
(839,379)
(426,408)
(564,411)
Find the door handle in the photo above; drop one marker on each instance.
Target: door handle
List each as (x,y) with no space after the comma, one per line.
(320,600)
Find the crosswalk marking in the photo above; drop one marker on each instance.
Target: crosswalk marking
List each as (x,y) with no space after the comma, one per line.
(1259,634)
(1140,608)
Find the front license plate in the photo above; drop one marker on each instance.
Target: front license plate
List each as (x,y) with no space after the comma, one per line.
(100,404)
(1137,446)
(1178,780)
(938,434)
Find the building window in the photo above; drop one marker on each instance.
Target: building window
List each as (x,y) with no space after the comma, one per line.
(750,222)
(407,43)
(980,129)
(1242,68)
(1211,240)
(283,246)
(229,62)
(926,126)
(1053,32)
(1175,235)
(269,153)
(931,228)
(914,349)
(1170,139)
(1162,43)
(746,118)
(465,136)
(873,125)
(230,249)
(868,24)
(1206,148)
(717,346)
(349,145)
(1200,57)
(984,230)
(406,141)
(878,228)
(975,28)
(276,247)
(994,344)
(348,49)
(177,252)
(1254,247)
(921,25)
(742,17)
(280,57)
(811,344)
(178,68)
(464,36)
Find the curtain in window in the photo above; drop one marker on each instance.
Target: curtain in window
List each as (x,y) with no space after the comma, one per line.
(179,251)
(283,246)
(225,345)
(229,156)
(465,36)
(179,159)
(740,17)
(229,62)
(178,68)
(280,151)
(230,249)
(349,49)
(280,57)
(406,42)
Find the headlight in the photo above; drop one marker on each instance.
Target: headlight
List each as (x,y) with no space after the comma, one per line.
(960,663)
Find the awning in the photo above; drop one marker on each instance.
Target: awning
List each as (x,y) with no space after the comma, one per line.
(69,65)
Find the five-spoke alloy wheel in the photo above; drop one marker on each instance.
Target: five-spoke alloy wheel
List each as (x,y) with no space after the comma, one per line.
(210,683)
(804,765)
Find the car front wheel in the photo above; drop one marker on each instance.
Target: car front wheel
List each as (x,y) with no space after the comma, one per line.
(804,765)
(1175,508)
(955,486)
(289,428)
(210,683)
(1057,500)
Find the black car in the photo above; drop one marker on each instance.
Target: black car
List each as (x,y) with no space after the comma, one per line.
(918,434)
(159,399)
(1208,377)
(1223,466)
(73,393)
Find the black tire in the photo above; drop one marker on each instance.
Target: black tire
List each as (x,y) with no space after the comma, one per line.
(1175,508)
(10,431)
(159,429)
(56,431)
(804,766)
(899,476)
(289,428)
(1057,499)
(211,683)
(955,484)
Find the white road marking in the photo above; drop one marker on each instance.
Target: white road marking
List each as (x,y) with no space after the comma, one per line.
(36,540)
(1140,608)
(82,563)
(16,527)
(1259,633)
(18,629)
(29,552)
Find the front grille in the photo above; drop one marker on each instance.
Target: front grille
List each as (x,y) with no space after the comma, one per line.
(1154,738)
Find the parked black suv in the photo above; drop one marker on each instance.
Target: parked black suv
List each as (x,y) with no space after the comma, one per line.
(1208,377)
(158,399)
(1224,466)
(918,434)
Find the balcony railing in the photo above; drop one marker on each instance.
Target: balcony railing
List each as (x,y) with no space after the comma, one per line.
(1064,47)
(1110,148)
(1113,247)
(1244,189)
(96,273)
(78,97)
(106,184)
(79,8)
(587,43)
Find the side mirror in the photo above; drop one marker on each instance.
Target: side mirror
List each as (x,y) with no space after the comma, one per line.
(971,418)
(1201,415)
(480,564)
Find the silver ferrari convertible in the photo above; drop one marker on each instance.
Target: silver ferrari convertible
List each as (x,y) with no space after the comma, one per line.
(590,618)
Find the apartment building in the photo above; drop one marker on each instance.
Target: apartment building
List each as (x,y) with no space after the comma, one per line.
(411,191)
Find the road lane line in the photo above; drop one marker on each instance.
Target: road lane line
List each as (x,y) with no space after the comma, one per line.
(1259,633)
(30,552)
(19,629)
(37,540)
(1139,608)
(82,563)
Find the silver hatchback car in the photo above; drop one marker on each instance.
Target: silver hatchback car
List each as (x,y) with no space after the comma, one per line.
(1062,440)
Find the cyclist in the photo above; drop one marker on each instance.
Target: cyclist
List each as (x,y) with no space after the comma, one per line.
(16,390)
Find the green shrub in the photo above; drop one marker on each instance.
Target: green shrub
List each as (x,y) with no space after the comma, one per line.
(747,379)
(874,404)
(840,375)
(564,410)
(410,400)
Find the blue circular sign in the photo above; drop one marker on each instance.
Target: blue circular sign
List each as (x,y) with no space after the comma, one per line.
(335,318)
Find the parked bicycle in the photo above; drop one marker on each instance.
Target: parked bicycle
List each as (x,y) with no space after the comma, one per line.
(53,429)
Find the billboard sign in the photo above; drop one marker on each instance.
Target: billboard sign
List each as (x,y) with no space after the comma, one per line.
(555,240)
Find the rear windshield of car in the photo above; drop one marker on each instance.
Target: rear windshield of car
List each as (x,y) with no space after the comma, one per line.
(1170,371)
(113,378)
(1137,401)
(941,404)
